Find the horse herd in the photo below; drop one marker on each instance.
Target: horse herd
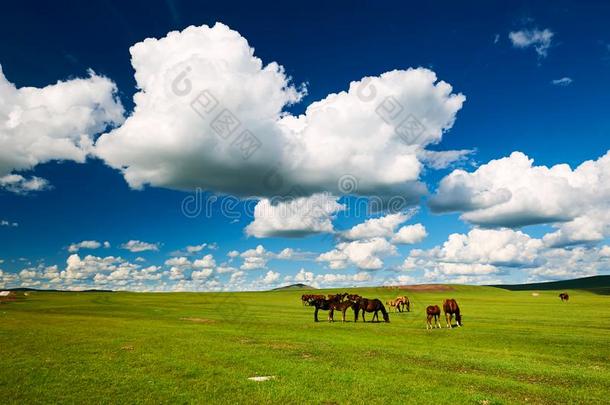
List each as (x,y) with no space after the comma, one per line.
(341,302)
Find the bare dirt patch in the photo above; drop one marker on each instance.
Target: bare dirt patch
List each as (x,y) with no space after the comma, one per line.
(423,287)
(198,320)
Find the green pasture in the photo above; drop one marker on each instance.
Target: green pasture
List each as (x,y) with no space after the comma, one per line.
(202,348)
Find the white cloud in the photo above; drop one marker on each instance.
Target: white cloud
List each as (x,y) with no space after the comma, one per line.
(4,222)
(292,254)
(540,40)
(165,143)
(87,244)
(296,217)
(136,246)
(56,122)
(255,258)
(18,184)
(271,277)
(483,255)
(206,261)
(513,192)
(364,254)
(481,252)
(196,248)
(564,81)
(410,234)
(335,280)
(304,276)
(383,227)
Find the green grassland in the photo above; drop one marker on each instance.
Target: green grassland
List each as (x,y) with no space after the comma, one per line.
(201,348)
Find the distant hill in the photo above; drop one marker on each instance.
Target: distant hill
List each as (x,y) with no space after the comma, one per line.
(598,284)
(298,286)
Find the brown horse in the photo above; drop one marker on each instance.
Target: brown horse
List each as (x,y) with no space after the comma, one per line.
(433,311)
(564,297)
(451,308)
(325,305)
(341,306)
(368,305)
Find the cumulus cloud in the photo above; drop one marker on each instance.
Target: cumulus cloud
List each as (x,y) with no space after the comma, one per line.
(410,234)
(213,70)
(296,217)
(87,244)
(512,192)
(383,227)
(11,224)
(539,40)
(386,227)
(256,258)
(136,246)
(483,255)
(364,254)
(56,122)
(271,277)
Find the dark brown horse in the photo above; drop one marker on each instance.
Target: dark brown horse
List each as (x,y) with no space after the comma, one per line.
(451,308)
(368,305)
(325,305)
(564,297)
(433,311)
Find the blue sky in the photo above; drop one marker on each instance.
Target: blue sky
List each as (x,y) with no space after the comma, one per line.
(528,84)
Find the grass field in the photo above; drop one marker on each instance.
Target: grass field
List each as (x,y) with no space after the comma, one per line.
(201,348)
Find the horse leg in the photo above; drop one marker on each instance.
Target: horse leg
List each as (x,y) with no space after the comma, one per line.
(331,314)
(315,315)
(428,325)
(437,319)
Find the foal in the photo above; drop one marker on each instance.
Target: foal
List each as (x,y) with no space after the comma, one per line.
(341,306)
(433,311)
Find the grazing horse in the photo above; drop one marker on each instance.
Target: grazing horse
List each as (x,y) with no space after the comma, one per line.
(403,303)
(451,308)
(433,311)
(393,304)
(564,297)
(374,305)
